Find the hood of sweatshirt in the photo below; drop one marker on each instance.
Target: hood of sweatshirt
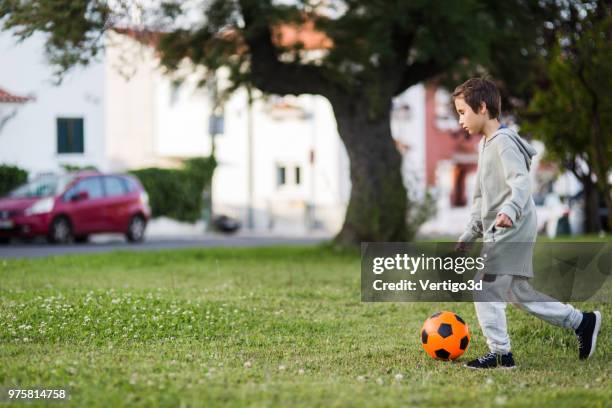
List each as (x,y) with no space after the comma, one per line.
(525,148)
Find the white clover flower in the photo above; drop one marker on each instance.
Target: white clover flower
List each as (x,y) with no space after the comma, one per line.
(501,400)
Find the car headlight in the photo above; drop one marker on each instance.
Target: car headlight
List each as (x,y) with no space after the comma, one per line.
(41,206)
(144,198)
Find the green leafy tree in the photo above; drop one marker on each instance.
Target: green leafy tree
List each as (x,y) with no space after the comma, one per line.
(572,106)
(375,50)
(11,177)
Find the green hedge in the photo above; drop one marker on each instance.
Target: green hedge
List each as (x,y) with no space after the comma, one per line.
(177,193)
(11,177)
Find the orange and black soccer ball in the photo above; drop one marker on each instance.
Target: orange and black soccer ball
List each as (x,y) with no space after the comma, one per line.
(445,336)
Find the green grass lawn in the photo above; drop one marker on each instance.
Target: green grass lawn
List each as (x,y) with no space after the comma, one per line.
(260,327)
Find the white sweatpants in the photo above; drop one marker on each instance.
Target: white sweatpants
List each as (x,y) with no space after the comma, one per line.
(498,290)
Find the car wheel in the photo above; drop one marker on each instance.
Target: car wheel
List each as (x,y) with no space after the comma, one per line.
(61,231)
(81,239)
(136,229)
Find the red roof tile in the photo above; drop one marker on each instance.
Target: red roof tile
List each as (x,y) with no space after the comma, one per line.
(283,35)
(288,35)
(6,97)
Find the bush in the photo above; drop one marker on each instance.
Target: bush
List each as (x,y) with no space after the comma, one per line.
(419,212)
(177,193)
(11,177)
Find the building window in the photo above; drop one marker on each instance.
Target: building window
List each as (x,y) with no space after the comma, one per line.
(298,178)
(174,92)
(281,176)
(444,109)
(70,135)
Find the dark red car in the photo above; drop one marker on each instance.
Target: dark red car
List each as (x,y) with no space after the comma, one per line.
(75,205)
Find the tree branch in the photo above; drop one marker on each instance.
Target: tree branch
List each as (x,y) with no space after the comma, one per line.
(268,73)
(418,72)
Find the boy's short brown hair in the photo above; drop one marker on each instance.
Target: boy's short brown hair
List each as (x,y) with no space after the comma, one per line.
(477,90)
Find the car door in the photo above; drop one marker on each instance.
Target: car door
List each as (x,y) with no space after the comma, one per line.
(86,213)
(117,202)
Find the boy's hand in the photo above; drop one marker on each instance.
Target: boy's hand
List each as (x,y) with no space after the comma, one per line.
(463,246)
(503,221)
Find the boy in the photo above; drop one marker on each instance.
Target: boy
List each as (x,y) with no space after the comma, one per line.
(503,211)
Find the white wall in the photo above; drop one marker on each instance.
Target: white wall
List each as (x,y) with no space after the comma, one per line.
(151,122)
(409,129)
(284,140)
(130,104)
(181,115)
(29,140)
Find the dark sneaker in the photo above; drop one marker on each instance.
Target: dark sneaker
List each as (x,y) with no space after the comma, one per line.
(492,360)
(587,333)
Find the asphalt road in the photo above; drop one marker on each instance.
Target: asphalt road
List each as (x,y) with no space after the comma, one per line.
(38,249)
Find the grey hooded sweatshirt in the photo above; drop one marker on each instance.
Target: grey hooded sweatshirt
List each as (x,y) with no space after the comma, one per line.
(503,186)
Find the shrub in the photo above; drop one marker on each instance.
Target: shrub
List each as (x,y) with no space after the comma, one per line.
(177,193)
(11,177)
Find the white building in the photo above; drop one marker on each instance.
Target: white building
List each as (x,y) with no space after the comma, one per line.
(29,138)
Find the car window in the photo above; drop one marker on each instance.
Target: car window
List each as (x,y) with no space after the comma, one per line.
(42,187)
(131,184)
(93,186)
(114,186)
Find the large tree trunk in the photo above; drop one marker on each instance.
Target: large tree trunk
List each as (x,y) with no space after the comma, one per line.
(592,221)
(600,158)
(598,151)
(592,224)
(378,202)
(608,201)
